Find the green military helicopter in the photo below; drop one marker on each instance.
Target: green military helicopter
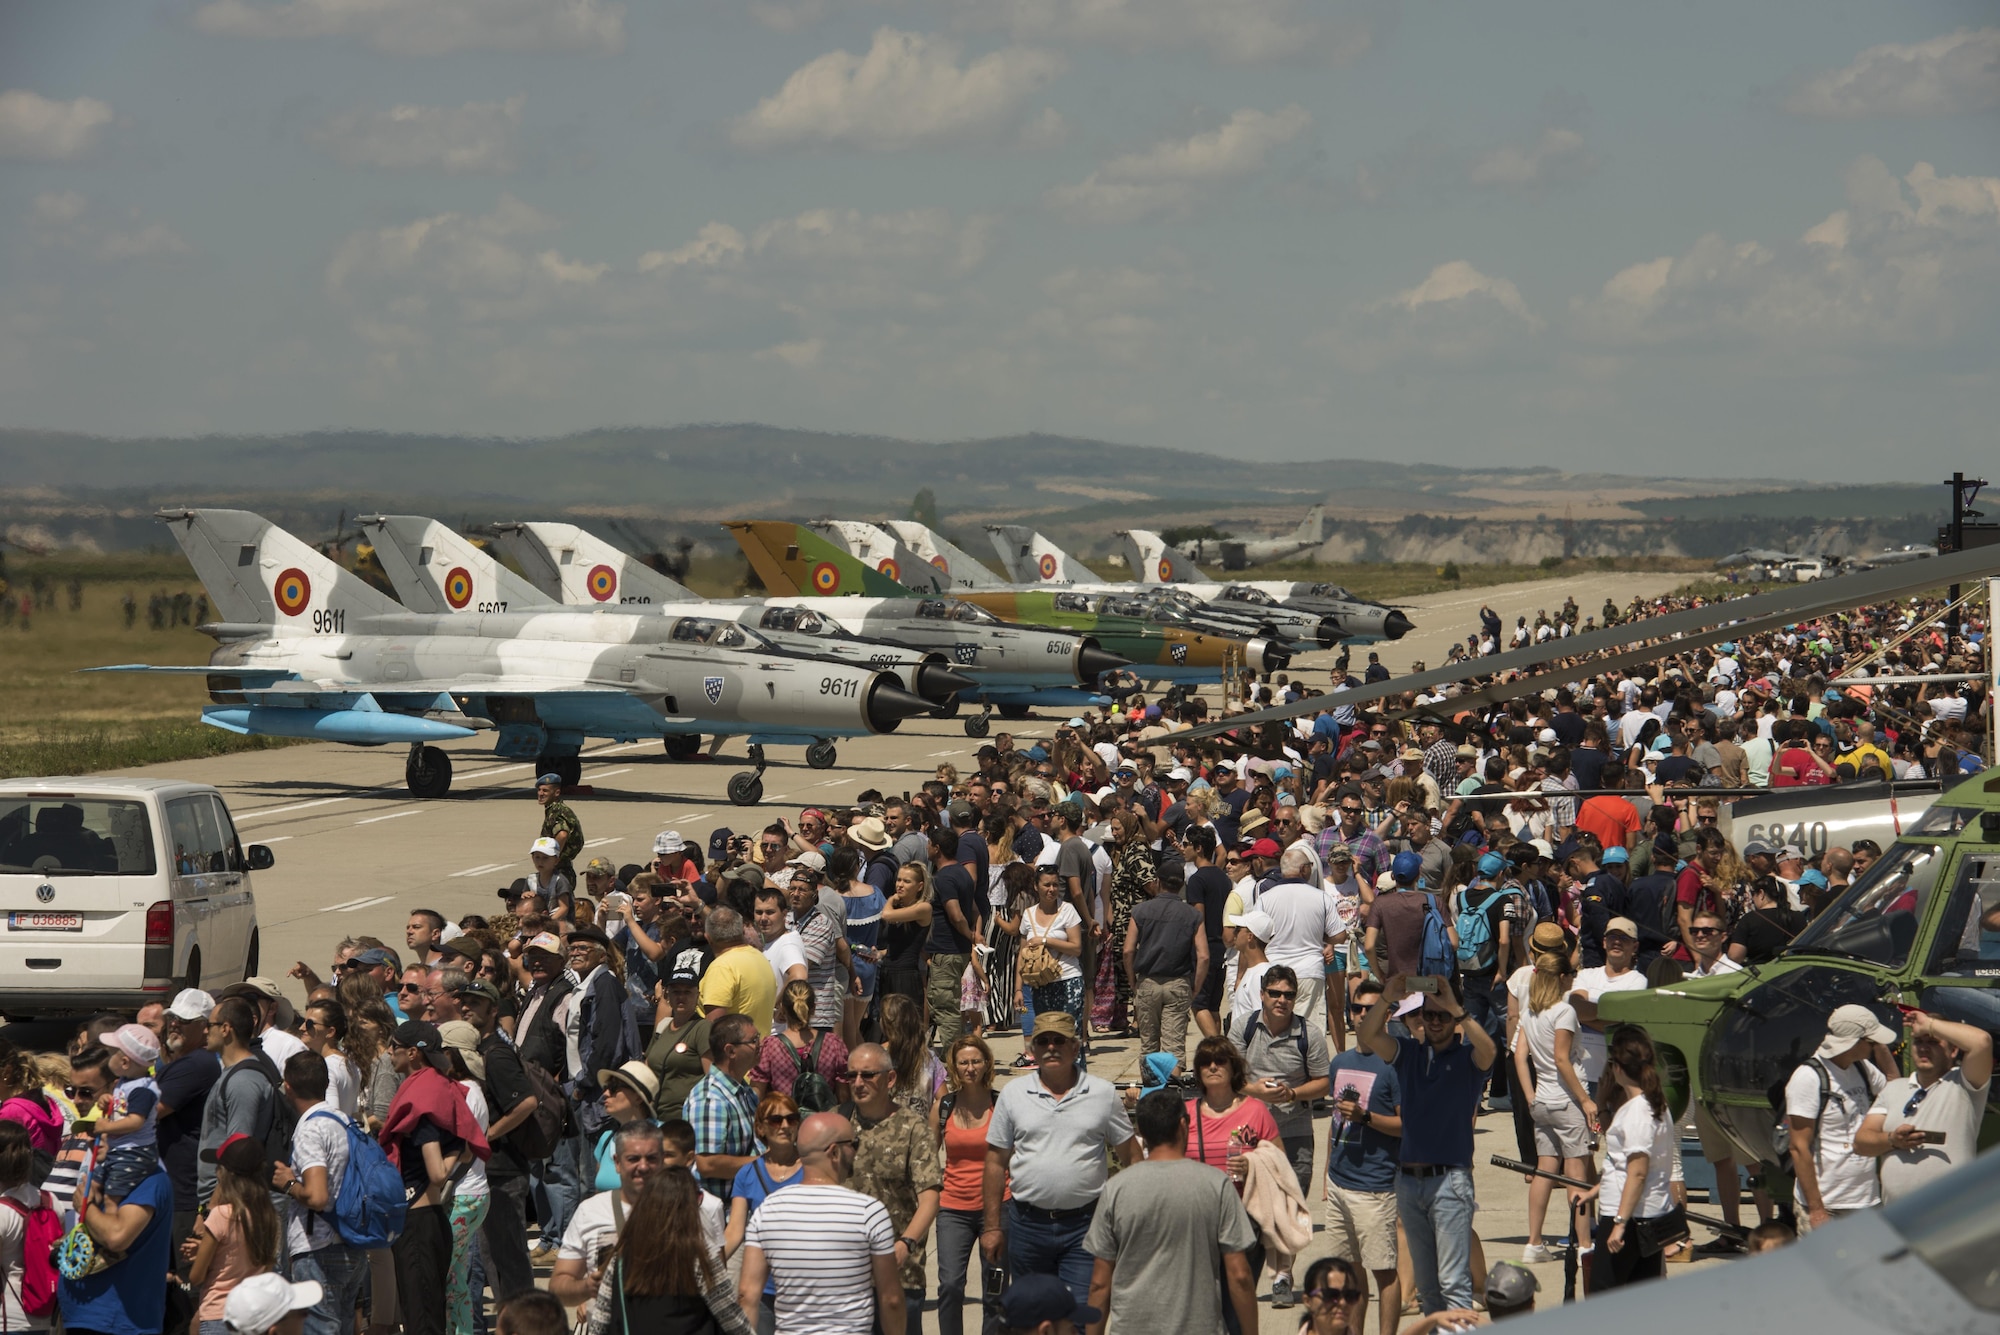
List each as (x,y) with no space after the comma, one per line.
(1919,931)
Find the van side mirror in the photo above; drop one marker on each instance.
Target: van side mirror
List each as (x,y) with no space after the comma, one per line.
(260,857)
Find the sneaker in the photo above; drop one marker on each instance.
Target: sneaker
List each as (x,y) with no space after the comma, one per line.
(541,1254)
(1536,1254)
(1281,1292)
(1721,1245)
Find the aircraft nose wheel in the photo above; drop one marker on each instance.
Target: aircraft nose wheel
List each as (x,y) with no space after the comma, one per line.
(821,755)
(979,724)
(427,773)
(747,789)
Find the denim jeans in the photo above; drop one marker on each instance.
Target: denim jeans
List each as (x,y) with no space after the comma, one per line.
(1486,1003)
(1436,1213)
(1037,1246)
(563,1186)
(957,1253)
(340,1270)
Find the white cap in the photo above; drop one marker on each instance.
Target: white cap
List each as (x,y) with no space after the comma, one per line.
(1076,723)
(452,931)
(192,1004)
(1258,923)
(260,1302)
(1180,774)
(1386,881)
(668,842)
(548,846)
(136,1041)
(1791,853)
(809,858)
(1547,735)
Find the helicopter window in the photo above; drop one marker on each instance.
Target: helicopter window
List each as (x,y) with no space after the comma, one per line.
(1072,602)
(1877,919)
(1953,1226)
(934,609)
(1968,939)
(693,630)
(1944,820)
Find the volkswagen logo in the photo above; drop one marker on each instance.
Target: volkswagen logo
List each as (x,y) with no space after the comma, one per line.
(46,893)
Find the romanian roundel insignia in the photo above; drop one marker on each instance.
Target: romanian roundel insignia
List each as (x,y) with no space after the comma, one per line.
(458,588)
(825,578)
(293,591)
(1166,570)
(602,582)
(1047,565)
(890,568)
(941,564)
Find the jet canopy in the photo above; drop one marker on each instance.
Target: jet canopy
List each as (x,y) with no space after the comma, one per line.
(950,609)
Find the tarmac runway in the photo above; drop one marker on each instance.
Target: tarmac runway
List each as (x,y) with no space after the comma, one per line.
(355,853)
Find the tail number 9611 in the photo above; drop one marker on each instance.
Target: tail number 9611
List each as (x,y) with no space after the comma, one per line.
(849,687)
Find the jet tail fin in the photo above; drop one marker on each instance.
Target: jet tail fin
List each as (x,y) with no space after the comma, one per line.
(582,569)
(256,572)
(1031,558)
(960,569)
(1154,561)
(1313,527)
(792,559)
(436,569)
(884,552)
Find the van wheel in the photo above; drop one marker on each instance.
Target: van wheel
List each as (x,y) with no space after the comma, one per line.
(194,970)
(250,958)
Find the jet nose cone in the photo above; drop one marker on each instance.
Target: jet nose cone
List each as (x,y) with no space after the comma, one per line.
(1093,662)
(1268,655)
(1395,626)
(889,704)
(938,683)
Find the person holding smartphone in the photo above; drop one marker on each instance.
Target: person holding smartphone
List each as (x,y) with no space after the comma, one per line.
(1927,1123)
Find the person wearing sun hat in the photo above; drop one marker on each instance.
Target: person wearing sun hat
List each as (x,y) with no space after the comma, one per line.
(1827,1100)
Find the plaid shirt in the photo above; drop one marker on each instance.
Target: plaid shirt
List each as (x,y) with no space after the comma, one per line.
(723,1112)
(1371,855)
(1441,763)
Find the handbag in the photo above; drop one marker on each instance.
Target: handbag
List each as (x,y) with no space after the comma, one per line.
(1037,966)
(1653,1236)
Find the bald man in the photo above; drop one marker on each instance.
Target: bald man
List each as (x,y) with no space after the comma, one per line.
(896,1161)
(832,1251)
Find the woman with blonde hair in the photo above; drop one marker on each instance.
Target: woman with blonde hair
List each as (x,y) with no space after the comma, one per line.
(1549,1074)
(785,1057)
(906,926)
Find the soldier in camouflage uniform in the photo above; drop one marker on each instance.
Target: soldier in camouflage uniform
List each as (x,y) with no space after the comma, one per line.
(559,823)
(896,1162)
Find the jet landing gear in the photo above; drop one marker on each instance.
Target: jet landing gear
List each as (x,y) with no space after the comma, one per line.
(980,724)
(821,755)
(747,789)
(427,773)
(683,746)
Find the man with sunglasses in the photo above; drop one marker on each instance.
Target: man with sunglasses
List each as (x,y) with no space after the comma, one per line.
(1049,1132)
(1443,1069)
(1927,1123)
(895,1161)
(1364,1143)
(1170,1234)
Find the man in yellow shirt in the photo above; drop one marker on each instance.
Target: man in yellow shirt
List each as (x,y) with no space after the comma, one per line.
(739,978)
(1864,754)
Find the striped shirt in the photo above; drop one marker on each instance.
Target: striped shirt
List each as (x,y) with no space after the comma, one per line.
(821,1242)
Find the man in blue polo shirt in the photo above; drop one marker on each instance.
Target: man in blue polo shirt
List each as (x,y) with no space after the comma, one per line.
(1441,1072)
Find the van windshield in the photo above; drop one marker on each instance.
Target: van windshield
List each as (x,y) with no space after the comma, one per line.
(75,836)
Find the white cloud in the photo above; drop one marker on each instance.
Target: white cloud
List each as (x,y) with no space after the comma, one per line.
(427,27)
(1908,263)
(1558,155)
(907,91)
(1456,282)
(1237,32)
(63,219)
(41,129)
(477,137)
(1172,175)
(1945,76)
(800,355)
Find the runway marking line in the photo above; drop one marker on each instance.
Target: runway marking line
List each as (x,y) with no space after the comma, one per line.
(605,774)
(296,806)
(489,867)
(595,843)
(362,904)
(394,815)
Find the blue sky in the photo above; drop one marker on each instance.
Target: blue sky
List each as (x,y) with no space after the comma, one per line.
(1699,239)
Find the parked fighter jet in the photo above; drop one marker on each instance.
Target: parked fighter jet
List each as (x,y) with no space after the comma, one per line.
(1242,553)
(1017,667)
(435,569)
(884,553)
(307,649)
(1362,620)
(961,568)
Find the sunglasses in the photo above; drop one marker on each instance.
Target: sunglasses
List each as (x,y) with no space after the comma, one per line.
(1212,1061)
(1048,1041)
(782,1119)
(83,1092)
(1360,1007)
(411,987)
(1432,1017)
(1276,995)
(1336,1295)
(1704,931)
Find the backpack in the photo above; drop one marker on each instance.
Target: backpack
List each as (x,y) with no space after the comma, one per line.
(812,1091)
(1478,948)
(368,1210)
(284,1117)
(1299,1033)
(1438,960)
(41,1233)
(537,1137)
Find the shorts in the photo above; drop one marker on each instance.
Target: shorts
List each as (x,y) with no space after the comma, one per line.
(1361,1226)
(1560,1131)
(1715,1146)
(1209,998)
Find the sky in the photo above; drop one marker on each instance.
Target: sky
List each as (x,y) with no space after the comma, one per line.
(1701,239)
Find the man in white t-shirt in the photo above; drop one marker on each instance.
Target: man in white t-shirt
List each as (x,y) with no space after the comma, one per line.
(782,946)
(831,1251)
(1304,921)
(1826,1101)
(1616,974)
(1247,932)
(1924,1125)
(310,1182)
(593,1226)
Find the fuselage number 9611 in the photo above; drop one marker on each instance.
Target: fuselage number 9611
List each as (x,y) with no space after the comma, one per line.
(849,687)
(329,620)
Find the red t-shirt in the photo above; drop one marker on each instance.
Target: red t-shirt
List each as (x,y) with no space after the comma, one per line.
(1209,1136)
(1612,819)
(1795,769)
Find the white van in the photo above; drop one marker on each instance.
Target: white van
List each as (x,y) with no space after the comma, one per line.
(120,892)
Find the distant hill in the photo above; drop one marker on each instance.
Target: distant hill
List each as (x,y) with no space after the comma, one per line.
(102,491)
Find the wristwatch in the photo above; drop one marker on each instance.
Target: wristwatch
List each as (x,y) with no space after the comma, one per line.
(912,1243)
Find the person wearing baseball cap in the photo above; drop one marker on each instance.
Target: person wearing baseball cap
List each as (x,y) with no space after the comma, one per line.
(559,823)
(429,1110)
(269,1304)
(1826,1102)
(551,880)
(1044,1305)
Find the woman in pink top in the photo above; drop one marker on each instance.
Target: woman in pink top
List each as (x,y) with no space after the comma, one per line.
(1224,1124)
(22,1099)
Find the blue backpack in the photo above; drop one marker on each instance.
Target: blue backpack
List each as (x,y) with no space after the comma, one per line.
(1439,960)
(368,1210)
(1477,948)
